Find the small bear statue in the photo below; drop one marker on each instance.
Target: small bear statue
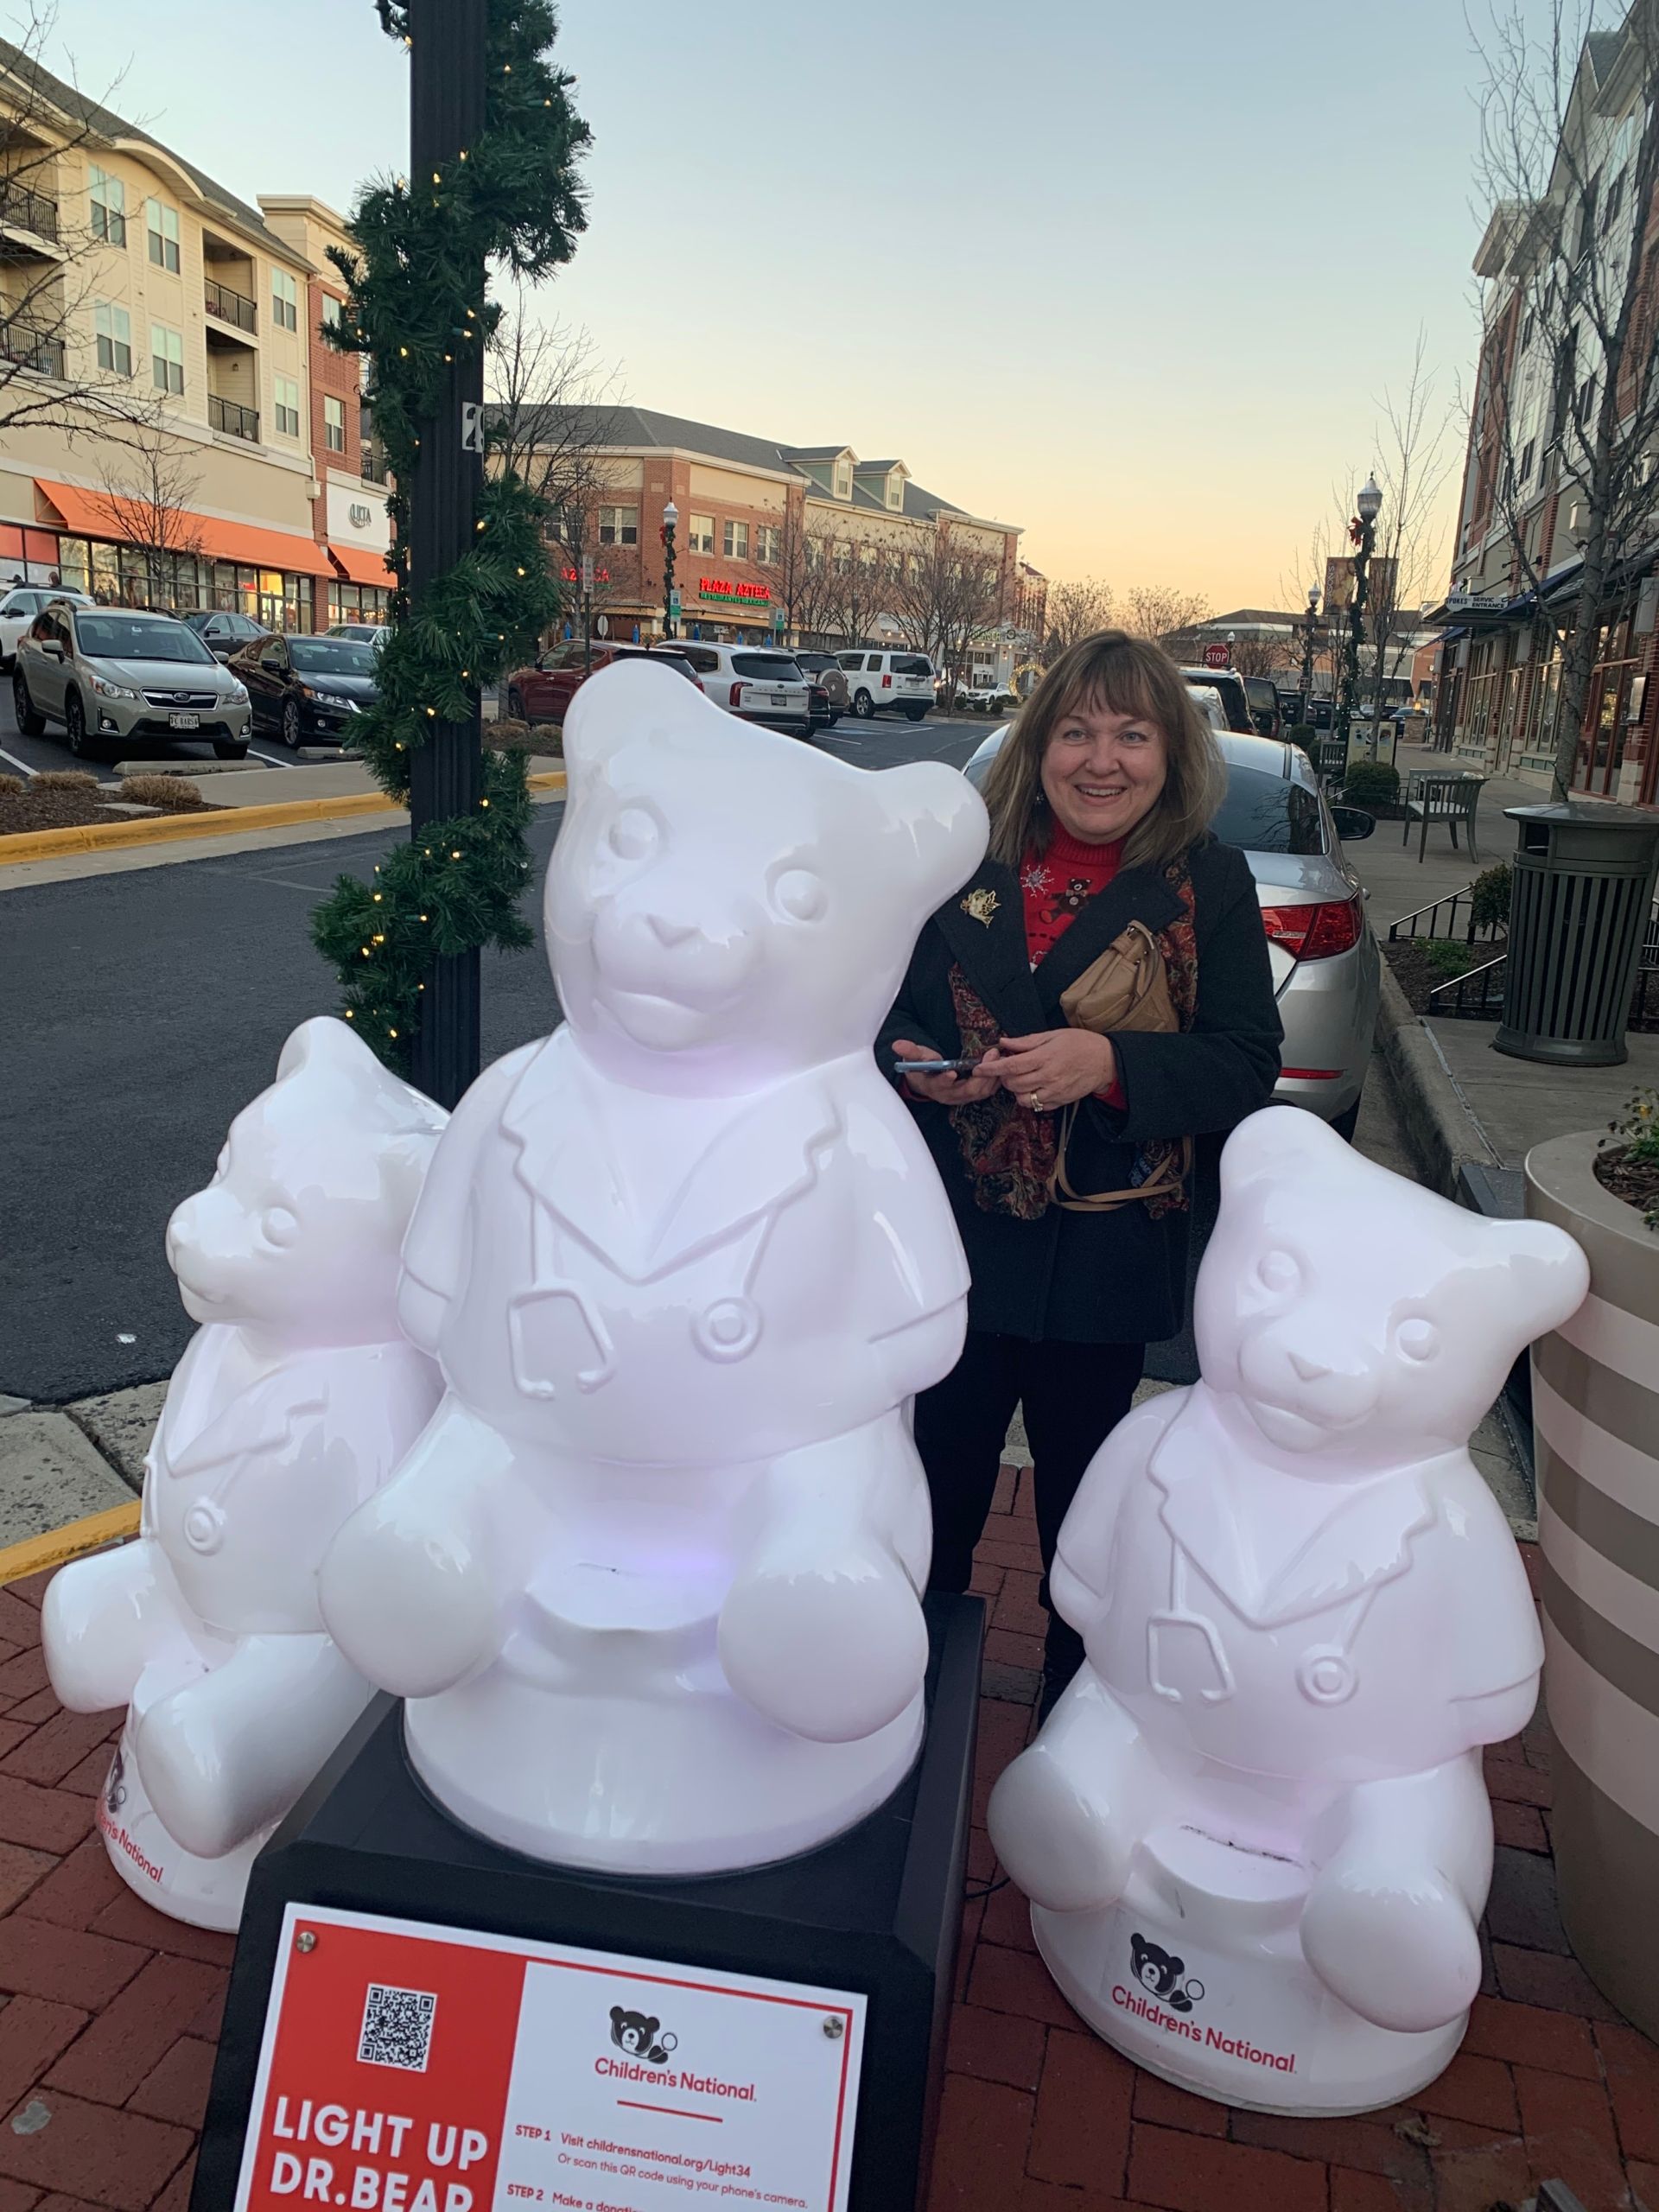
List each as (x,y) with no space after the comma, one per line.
(1254,1829)
(294,1400)
(650,1580)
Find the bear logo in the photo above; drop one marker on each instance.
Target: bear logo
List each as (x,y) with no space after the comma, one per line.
(1160,1973)
(636,2034)
(114,1791)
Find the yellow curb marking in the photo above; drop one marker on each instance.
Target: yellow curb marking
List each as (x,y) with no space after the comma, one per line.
(98,836)
(72,1541)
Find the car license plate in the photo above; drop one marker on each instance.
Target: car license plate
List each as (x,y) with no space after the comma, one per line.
(184,721)
(779,699)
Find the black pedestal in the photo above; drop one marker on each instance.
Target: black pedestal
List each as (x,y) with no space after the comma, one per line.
(875,1912)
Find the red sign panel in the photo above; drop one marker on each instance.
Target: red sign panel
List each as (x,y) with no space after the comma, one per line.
(1218,657)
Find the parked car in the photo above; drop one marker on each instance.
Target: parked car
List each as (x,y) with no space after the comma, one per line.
(1207,700)
(307,690)
(18,609)
(1229,688)
(1326,969)
(112,674)
(986,699)
(542,692)
(888,682)
(824,671)
(365,633)
(222,633)
(759,683)
(1262,700)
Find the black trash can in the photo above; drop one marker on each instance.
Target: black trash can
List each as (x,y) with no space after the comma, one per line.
(1583,885)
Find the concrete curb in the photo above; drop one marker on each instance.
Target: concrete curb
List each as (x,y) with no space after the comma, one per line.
(1442,1130)
(97,836)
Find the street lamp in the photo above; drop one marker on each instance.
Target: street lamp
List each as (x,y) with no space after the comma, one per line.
(1361,533)
(670,523)
(1307,650)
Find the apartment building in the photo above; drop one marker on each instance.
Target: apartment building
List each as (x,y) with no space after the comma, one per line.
(189,457)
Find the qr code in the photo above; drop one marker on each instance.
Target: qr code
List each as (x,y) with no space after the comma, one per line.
(397,2028)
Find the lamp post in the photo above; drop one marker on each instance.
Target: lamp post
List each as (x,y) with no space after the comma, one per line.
(1232,639)
(1308,632)
(670,524)
(1361,533)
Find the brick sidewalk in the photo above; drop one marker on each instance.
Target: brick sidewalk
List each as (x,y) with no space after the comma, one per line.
(110,2012)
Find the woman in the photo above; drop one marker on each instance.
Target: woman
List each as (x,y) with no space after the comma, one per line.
(1100,802)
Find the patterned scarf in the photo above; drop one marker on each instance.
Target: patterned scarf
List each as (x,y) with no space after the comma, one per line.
(1010,1151)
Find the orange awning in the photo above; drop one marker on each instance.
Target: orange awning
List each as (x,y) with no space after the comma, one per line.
(98,514)
(360,566)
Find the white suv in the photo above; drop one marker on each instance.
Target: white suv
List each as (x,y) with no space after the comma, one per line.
(760,685)
(887,682)
(18,609)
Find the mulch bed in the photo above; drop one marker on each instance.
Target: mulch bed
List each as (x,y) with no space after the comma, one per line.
(1636,1181)
(1418,972)
(23,811)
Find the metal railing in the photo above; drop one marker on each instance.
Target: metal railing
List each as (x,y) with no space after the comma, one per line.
(25,346)
(374,467)
(236,422)
(28,211)
(1464,932)
(1478,993)
(229,306)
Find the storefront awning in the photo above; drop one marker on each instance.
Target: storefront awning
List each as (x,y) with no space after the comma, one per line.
(360,566)
(99,514)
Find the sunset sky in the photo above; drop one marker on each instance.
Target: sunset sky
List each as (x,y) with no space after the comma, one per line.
(1134,277)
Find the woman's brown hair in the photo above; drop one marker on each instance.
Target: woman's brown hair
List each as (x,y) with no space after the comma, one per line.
(1113,672)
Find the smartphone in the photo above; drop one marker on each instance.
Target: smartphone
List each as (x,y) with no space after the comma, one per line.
(934,1067)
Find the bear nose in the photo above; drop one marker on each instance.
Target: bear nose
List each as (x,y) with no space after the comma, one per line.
(1308,1369)
(670,933)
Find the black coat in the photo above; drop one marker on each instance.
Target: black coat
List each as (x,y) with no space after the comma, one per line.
(1117,1277)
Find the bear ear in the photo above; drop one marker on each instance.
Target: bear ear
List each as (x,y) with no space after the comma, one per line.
(942,820)
(325,1042)
(326,1046)
(631,699)
(617,2016)
(1548,1272)
(1278,1141)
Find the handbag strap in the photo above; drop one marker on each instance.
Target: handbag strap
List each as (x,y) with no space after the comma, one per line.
(1165,1177)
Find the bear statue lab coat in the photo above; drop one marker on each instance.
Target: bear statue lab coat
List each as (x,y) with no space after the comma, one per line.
(650,1580)
(296,1398)
(1254,1830)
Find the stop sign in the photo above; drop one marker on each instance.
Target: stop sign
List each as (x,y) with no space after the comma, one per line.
(1216,657)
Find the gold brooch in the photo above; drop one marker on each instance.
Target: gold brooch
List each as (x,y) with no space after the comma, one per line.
(981,905)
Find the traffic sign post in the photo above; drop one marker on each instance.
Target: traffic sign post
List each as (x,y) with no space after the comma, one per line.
(1217,656)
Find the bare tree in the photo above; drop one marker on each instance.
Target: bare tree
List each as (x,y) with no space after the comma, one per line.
(1076,609)
(1156,611)
(550,396)
(1262,656)
(859,581)
(944,595)
(147,499)
(47,381)
(1567,400)
(800,573)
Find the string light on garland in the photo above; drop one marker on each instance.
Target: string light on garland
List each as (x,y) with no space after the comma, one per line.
(513,199)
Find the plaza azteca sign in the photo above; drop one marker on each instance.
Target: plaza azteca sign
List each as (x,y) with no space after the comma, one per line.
(729,590)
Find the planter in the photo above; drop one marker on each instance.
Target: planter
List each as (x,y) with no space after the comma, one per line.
(1596,1432)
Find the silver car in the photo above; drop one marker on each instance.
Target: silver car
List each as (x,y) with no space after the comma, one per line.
(1325,964)
(111,675)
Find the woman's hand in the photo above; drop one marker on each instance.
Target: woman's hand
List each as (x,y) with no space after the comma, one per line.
(1056,1067)
(947,1090)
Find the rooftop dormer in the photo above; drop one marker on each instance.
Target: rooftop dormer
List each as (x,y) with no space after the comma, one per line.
(884,480)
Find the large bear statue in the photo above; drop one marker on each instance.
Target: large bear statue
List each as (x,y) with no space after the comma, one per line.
(1255,1829)
(650,1580)
(294,1400)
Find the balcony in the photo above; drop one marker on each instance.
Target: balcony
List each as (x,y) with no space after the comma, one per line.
(23,210)
(235,421)
(234,308)
(26,347)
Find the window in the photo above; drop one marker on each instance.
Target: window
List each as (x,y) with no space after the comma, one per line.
(895,491)
(1613,202)
(114,329)
(163,226)
(330,312)
(109,197)
(167,358)
(619,525)
(843,480)
(284,300)
(702,530)
(334,425)
(1524,467)
(735,542)
(768,544)
(287,407)
(840,558)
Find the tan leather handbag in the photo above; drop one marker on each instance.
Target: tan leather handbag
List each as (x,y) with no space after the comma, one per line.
(1126,987)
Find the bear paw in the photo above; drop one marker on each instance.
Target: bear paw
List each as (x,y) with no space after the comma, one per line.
(830,1650)
(1063,1848)
(1394,1941)
(409,1601)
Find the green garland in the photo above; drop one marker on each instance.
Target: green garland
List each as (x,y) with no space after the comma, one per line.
(416,298)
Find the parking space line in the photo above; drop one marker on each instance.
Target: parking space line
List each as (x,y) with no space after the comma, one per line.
(16,763)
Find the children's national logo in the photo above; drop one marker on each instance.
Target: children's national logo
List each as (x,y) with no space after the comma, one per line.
(1164,1975)
(638,2034)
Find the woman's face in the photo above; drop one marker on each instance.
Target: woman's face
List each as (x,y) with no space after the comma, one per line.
(1103,772)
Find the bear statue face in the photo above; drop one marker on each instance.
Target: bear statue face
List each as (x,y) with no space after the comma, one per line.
(1363,1323)
(299,1232)
(726,906)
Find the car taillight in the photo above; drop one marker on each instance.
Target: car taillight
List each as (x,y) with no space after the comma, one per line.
(1315,933)
(886,683)
(737,694)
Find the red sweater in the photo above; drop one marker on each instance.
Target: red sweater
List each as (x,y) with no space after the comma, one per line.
(1056,889)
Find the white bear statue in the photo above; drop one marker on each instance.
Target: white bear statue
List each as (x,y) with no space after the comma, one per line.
(650,1580)
(1255,1829)
(296,1397)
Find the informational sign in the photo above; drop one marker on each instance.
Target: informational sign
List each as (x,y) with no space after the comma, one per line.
(779,617)
(732,589)
(674,602)
(587,575)
(472,426)
(414,2068)
(1216,655)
